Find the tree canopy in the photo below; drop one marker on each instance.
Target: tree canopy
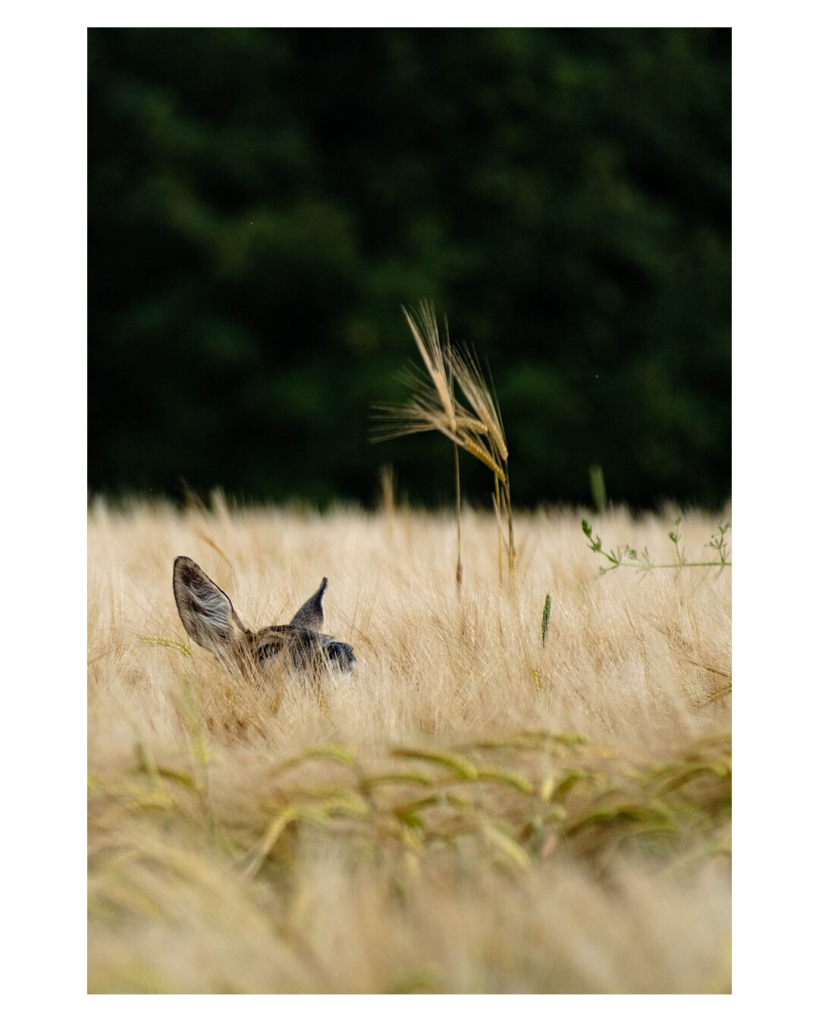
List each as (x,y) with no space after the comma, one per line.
(262,202)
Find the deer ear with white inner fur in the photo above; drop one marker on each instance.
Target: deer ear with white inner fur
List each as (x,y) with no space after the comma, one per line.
(205,609)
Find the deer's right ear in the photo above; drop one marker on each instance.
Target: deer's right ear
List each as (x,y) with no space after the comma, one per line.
(205,609)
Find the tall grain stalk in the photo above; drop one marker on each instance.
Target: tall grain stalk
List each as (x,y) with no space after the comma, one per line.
(476,426)
(471,381)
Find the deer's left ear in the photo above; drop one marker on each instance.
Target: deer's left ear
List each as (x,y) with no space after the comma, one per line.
(311,613)
(204,608)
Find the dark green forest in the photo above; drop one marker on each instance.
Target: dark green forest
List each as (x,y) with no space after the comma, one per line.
(262,202)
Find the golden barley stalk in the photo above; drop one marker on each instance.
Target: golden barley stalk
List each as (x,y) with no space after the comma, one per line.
(464,368)
(421,413)
(496,502)
(425,332)
(470,445)
(471,424)
(435,407)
